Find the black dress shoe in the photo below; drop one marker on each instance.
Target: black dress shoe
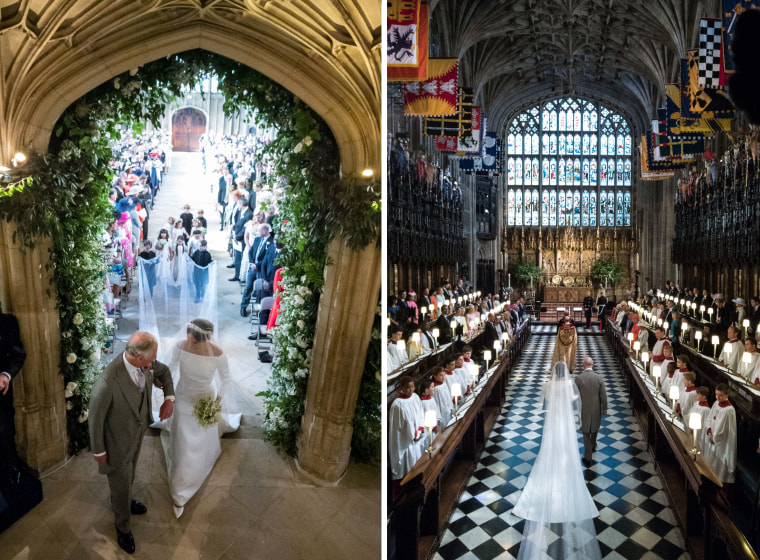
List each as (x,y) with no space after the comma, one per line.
(244,313)
(230,266)
(587,462)
(234,279)
(138,508)
(126,541)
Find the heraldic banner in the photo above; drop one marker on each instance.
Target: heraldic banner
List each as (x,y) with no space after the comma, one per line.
(407,40)
(437,95)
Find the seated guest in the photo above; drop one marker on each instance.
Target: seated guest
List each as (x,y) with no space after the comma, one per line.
(443,324)
(688,396)
(734,358)
(425,390)
(721,434)
(662,342)
(751,370)
(405,429)
(442,395)
(427,340)
(396,356)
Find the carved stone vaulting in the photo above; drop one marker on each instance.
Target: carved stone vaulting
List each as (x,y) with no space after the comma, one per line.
(327,53)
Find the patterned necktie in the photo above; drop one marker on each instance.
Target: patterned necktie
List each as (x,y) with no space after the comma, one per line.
(141,378)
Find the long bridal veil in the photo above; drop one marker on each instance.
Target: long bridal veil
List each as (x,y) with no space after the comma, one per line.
(168,304)
(555,502)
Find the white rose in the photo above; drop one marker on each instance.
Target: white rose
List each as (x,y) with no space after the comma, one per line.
(299,300)
(83,417)
(78,319)
(71,358)
(95,356)
(71,385)
(69,405)
(300,324)
(293,352)
(308,141)
(302,343)
(116,83)
(298,148)
(67,394)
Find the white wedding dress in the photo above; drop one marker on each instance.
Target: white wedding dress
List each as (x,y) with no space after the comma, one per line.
(191,449)
(555,500)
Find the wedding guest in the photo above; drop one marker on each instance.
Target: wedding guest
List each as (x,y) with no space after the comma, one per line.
(13,356)
(443,325)
(741,312)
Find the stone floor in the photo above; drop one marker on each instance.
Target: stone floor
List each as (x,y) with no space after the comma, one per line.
(255,504)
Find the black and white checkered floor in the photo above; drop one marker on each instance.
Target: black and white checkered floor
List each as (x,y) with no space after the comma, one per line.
(635,520)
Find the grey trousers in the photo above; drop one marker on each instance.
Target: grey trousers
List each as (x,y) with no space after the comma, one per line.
(589,444)
(120,483)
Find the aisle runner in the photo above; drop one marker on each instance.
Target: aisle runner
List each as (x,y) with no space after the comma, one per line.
(635,517)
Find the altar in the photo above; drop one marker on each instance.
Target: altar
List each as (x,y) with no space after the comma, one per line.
(566,294)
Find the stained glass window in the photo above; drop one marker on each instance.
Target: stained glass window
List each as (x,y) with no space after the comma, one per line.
(570,142)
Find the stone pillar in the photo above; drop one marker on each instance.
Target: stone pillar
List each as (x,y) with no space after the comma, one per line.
(26,291)
(346,312)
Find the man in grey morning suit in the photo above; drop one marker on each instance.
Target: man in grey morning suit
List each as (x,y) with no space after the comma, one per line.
(593,406)
(120,413)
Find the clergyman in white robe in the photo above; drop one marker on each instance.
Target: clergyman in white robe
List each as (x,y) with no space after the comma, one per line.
(734,358)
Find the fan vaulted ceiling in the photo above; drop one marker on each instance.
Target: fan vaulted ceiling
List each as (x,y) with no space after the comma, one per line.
(514,52)
(327,52)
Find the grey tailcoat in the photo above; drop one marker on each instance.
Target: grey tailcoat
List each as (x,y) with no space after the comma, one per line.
(593,400)
(120,414)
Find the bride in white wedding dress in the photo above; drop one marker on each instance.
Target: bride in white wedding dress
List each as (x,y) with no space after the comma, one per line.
(555,502)
(200,371)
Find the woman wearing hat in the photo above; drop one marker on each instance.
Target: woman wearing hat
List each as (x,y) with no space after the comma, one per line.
(741,312)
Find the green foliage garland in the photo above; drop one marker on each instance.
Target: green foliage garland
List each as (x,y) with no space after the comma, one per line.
(65,197)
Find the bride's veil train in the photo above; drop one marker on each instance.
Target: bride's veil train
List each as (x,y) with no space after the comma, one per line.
(555,503)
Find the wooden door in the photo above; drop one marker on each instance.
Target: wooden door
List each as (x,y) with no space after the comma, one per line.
(187,127)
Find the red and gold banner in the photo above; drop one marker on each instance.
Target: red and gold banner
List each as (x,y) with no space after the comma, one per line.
(437,95)
(407,41)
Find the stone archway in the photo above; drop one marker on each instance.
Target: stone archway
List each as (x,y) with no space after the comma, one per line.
(328,55)
(188,125)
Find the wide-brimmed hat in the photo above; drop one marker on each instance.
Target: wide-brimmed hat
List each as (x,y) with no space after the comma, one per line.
(123,218)
(738,301)
(717,296)
(134,190)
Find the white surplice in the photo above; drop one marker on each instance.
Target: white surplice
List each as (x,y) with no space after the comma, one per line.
(721,454)
(405,420)
(396,357)
(442,397)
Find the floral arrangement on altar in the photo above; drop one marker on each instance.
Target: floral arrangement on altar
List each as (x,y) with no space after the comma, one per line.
(208,412)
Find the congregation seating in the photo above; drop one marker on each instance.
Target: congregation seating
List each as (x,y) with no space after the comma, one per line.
(711,530)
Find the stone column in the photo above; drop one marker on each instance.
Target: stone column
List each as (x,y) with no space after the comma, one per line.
(26,291)
(346,312)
